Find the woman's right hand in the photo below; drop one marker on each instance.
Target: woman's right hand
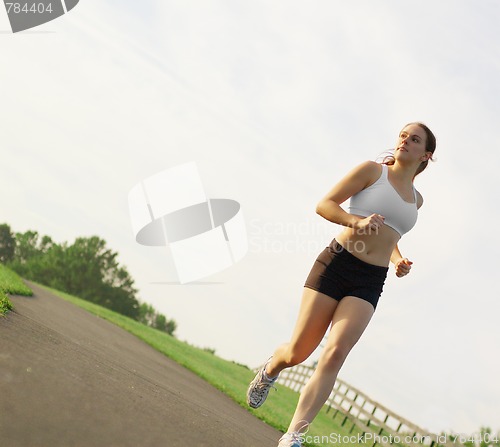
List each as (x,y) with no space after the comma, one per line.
(370,224)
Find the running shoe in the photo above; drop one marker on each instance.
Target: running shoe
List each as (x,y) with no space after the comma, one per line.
(293,439)
(259,387)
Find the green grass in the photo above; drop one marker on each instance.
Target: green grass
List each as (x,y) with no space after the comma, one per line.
(10,283)
(5,304)
(229,377)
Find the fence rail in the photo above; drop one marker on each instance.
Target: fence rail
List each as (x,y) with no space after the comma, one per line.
(375,421)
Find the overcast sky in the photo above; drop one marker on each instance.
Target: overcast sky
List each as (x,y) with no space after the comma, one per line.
(275,101)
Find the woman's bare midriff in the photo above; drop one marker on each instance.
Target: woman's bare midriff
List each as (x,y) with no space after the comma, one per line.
(375,247)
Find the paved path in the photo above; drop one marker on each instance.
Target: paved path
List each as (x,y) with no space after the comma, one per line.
(71,379)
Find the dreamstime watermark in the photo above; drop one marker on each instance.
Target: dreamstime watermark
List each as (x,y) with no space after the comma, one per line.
(27,14)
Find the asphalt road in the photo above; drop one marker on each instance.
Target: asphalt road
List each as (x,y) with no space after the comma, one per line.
(71,379)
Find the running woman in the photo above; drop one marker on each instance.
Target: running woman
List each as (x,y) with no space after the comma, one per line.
(346,280)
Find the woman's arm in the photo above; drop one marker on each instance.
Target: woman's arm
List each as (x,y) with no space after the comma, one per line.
(396,255)
(402,265)
(358,179)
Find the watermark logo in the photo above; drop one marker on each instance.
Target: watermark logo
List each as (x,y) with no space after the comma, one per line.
(288,237)
(27,14)
(205,236)
(371,439)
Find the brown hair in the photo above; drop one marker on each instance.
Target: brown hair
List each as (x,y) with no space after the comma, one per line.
(430,146)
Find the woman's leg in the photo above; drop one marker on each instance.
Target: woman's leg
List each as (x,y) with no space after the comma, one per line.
(350,319)
(315,315)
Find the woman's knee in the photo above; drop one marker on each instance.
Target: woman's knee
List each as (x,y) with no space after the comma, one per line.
(334,356)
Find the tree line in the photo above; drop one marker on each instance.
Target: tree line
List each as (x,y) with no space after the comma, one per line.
(87,268)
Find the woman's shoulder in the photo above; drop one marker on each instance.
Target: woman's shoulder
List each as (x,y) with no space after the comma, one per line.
(369,170)
(370,164)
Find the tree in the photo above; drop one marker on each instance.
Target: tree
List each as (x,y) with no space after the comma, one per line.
(92,272)
(160,322)
(7,244)
(150,317)
(171,327)
(26,246)
(146,314)
(28,253)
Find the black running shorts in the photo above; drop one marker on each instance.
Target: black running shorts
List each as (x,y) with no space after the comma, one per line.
(338,273)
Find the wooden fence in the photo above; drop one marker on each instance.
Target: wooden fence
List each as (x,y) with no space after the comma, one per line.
(354,409)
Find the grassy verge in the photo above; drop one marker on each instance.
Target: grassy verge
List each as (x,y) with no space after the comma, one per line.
(229,377)
(10,283)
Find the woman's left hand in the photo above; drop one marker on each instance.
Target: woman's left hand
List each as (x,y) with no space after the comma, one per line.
(403,267)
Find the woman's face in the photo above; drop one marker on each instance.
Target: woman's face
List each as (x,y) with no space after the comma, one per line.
(411,144)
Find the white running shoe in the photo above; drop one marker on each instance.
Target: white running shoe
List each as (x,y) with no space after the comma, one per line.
(293,439)
(259,387)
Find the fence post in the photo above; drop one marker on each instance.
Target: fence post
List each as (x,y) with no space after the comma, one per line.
(296,377)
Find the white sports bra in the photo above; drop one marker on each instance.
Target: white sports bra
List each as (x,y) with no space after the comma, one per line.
(382,198)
